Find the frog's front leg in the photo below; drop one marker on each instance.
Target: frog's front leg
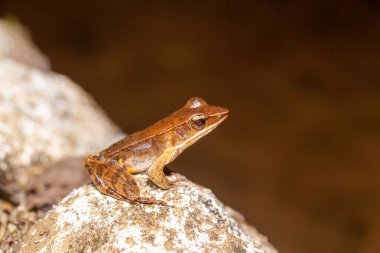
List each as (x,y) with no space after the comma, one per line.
(156,170)
(112,179)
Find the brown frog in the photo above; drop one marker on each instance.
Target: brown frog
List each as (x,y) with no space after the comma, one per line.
(150,150)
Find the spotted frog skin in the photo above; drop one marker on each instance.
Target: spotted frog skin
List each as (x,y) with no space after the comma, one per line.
(149,150)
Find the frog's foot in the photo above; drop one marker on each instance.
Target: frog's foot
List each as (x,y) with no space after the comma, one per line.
(144,200)
(177,182)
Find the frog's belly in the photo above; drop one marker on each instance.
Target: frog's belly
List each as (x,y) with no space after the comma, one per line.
(136,164)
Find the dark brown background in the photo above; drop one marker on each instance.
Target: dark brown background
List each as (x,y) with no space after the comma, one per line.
(299,155)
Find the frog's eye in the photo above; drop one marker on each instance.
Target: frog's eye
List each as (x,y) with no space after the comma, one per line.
(198,122)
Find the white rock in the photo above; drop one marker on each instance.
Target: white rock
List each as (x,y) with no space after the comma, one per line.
(43,118)
(15,43)
(87,221)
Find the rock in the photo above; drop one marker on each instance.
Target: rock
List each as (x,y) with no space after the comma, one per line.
(44,118)
(14,222)
(87,221)
(47,189)
(15,44)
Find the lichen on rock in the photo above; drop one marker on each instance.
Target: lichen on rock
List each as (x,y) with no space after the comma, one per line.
(196,221)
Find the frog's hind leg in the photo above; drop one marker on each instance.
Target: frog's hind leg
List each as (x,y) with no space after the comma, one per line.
(114,180)
(103,188)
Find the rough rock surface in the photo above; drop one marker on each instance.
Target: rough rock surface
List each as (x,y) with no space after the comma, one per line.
(87,221)
(45,117)
(15,44)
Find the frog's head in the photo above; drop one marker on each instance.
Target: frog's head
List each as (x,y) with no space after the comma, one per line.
(197,119)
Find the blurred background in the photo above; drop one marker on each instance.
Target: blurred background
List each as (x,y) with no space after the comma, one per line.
(299,154)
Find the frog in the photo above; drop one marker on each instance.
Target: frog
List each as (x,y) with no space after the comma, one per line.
(150,150)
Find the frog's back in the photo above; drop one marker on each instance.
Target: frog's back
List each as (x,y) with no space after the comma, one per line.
(132,140)
(124,144)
